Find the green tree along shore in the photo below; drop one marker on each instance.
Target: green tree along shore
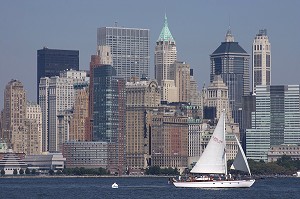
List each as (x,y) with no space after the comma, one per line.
(84,171)
(284,166)
(156,170)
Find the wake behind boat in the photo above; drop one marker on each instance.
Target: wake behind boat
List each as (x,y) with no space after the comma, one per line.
(212,165)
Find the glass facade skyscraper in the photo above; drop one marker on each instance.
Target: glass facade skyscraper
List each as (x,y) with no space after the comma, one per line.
(50,62)
(276,120)
(231,61)
(109,114)
(129,49)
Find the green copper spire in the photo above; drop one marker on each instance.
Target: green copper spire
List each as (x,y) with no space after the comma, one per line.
(165,34)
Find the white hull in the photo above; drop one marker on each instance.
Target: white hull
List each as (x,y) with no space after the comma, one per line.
(216,184)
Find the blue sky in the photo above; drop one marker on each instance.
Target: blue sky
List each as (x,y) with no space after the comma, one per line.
(198,26)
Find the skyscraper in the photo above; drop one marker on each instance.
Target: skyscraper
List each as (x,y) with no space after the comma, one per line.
(34,125)
(275,121)
(103,57)
(165,54)
(142,98)
(180,73)
(169,137)
(261,60)
(14,114)
(195,96)
(21,120)
(56,97)
(78,121)
(129,49)
(109,116)
(217,96)
(94,63)
(169,91)
(231,61)
(50,62)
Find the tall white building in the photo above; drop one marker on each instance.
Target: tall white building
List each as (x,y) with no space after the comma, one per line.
(261,60)
(165,54)
(195,95)
(194,140)
(169,91)
(21,121)
(43,102)
(56,96)
(104,52)
(34,115)
(129,49)
(180,73)
(217,96)
(14,116)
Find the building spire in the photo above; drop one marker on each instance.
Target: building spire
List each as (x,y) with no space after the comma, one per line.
(229,37)
(165,34)
(166,20)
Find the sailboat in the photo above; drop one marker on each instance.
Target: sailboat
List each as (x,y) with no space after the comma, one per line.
(213,162)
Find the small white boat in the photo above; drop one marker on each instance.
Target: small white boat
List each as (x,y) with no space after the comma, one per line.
(297,174)
(213,162)
(115,186)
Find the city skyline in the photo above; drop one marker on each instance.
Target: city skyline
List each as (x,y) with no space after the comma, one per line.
(28,26)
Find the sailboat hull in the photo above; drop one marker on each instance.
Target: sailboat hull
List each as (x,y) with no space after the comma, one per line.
(216,184)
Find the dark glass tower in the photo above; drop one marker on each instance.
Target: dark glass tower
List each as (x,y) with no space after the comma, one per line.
(51,61)
(109,114)
(231,61)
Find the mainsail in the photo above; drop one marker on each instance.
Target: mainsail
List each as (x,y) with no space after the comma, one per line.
(213,158)
(240,162)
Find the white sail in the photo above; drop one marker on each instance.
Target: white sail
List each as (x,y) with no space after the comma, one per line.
(213,158)
(240,162)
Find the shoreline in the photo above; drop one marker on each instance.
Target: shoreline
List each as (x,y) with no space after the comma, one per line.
(257,177)
(84,176)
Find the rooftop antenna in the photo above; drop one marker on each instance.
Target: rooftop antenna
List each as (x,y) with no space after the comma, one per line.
(229,37)
(116,24)
(229,19)
(166,15)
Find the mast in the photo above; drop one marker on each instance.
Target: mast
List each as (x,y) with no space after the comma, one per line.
(224,131)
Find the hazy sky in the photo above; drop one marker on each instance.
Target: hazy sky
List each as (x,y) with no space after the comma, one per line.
(197,26)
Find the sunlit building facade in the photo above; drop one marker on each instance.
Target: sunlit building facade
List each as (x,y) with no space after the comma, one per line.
(169,138)
(261,60)
(143,96)
(129,49)
(57,95)
(165,54)
(14,116)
